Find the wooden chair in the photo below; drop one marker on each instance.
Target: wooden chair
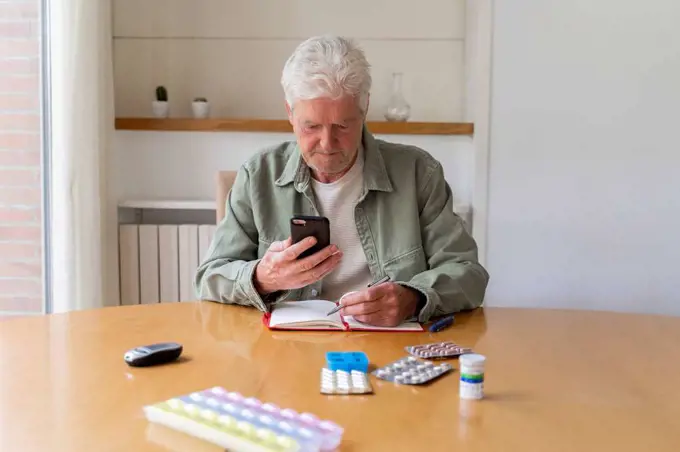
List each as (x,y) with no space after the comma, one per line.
(225,180)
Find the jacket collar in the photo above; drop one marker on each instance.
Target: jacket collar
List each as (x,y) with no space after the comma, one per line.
(375,174)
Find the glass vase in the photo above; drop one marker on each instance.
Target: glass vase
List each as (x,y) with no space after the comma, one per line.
(397,107)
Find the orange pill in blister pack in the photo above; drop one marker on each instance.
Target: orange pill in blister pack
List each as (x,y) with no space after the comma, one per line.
(446,349)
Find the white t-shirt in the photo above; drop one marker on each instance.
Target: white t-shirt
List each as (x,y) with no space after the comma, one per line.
(336,201)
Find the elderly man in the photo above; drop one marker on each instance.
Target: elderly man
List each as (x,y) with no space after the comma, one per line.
(389,206)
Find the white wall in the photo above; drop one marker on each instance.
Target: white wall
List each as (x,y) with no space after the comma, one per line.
(584,192)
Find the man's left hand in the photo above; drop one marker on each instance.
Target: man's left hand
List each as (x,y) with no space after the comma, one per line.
(387,304)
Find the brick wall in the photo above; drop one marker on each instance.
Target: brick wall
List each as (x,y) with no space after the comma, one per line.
(20,157)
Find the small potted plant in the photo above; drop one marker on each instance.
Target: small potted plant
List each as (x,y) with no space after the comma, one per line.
(160,106)
(200,107)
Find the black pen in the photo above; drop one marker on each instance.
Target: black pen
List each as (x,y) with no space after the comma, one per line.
(380,281)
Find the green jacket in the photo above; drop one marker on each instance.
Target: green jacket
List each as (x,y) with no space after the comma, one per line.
(404,218)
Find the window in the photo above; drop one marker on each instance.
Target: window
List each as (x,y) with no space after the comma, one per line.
(21,173)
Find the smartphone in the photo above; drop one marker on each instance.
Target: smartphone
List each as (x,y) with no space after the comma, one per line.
(302,226)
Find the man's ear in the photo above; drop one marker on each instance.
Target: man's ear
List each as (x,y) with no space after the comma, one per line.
(368,102)
(289,111)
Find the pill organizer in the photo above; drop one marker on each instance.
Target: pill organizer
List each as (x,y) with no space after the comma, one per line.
(342,382)
(446,349)
(412,371)
(347,361)
(234,422)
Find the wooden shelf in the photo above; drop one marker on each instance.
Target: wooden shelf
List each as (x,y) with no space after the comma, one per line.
(167,204)
(275,125)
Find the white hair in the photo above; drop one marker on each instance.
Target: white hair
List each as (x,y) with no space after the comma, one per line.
(327,66)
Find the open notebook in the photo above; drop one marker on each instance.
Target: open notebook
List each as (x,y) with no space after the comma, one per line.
(311,315)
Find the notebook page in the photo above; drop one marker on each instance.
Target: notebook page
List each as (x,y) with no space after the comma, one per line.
(309,313)
(406,326)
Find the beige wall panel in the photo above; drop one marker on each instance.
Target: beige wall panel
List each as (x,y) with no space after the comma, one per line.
(296,19)
(241,77)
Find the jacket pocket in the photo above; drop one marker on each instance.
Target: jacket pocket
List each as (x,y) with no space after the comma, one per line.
(407,265)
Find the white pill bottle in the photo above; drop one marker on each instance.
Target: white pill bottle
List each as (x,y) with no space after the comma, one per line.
(472,376)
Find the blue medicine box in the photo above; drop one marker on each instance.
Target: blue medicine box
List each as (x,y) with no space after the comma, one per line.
(347,361)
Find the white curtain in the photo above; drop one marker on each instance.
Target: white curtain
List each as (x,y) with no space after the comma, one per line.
(83,217)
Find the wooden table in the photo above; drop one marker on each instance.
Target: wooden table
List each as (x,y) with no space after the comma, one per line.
(556,380)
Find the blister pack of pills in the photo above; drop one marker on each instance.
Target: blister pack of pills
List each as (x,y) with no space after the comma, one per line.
(234,422)
(342,382)
(446,349)
(411,371)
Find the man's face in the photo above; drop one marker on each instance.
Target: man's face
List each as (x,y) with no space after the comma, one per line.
(328,133)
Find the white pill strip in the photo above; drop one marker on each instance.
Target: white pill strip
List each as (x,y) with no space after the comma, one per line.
(343,382)
(410,370)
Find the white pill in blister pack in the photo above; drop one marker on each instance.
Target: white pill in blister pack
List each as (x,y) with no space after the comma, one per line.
(343,382)
(410,370)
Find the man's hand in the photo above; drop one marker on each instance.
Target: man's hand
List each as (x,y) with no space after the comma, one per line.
(280,268)
(386,304)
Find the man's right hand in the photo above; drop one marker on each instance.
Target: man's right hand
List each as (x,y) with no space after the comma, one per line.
(280,268)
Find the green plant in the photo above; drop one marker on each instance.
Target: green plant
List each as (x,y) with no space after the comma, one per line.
(200,99)
(161,94)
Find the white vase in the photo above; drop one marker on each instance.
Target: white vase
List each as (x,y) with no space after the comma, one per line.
(160,109)
(397,108)
(200,109)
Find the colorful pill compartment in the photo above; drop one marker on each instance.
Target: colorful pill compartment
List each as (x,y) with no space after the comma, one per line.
(234,422)
(342,382)
(437,350)
(347,361)
(412,371)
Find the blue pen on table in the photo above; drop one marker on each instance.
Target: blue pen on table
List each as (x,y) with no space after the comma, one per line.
(441,324)
(380,281)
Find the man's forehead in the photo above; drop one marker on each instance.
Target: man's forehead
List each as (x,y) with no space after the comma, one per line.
(326,105)
(321,113)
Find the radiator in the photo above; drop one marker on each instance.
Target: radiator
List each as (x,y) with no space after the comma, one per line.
(158,262)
